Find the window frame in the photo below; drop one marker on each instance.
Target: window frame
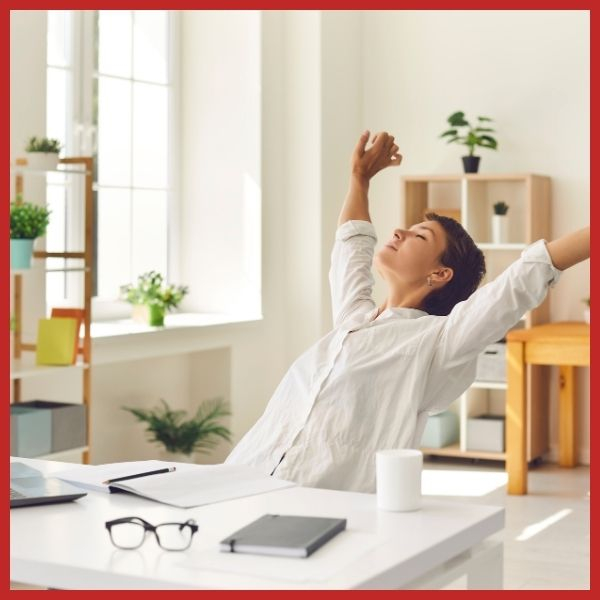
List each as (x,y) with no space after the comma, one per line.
(83,140)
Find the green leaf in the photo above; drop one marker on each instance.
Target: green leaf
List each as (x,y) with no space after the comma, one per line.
(480,129)
(457,119)
(485,119)
(488,142)
(197,434)
(449,132)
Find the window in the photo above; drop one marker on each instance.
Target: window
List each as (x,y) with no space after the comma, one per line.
(111,93)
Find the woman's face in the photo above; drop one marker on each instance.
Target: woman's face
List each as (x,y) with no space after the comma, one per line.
(412,254)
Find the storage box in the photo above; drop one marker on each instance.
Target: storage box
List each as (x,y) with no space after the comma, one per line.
(68,426)
(441,430)
(486,433)
(491,364)
(30,431)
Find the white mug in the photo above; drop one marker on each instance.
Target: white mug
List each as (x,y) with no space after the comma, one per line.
(398,475)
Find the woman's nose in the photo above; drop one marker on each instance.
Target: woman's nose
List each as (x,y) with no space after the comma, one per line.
(399,233)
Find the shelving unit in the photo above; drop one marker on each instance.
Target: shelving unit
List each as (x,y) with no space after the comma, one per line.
(469,199)
(23,356)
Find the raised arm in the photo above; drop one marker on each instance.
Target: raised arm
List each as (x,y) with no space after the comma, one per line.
(494,308)
(350,275)
(365,163)
(570,249)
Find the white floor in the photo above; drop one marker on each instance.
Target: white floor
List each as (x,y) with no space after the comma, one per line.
(547,532)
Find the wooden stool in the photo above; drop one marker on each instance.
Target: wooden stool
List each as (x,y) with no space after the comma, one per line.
(566,345)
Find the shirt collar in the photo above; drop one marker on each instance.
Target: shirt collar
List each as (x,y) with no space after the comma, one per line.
(399,312)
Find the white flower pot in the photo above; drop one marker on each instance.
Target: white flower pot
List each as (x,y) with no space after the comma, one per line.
(44,161)
(586,315)
(499,229)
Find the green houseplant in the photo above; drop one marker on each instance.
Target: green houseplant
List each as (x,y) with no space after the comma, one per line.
(156,296)
(462,132)
(27,222)
(42,153)
(500,223)
(181,435)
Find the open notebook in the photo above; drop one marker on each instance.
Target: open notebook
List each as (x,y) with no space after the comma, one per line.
(187,486)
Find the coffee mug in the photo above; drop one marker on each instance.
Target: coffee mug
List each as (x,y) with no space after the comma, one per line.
(398,474)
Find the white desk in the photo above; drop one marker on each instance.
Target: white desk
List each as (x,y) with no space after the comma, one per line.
(66,546)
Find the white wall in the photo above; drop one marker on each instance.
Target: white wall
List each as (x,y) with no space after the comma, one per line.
(529,70)
(220,160)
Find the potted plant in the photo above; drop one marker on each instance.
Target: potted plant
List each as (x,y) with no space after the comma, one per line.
(470,137)
(183,436)
(500,223)
(27,222)
(154,296)
(42,153)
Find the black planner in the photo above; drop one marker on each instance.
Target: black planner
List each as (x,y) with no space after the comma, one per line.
(283,535)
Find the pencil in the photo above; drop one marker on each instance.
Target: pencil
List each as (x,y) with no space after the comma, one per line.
(157,472)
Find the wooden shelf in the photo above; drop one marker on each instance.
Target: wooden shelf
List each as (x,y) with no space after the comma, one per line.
(455,451)
(23,170)
(23,355)
(457,177)
(24,369)
(470,198)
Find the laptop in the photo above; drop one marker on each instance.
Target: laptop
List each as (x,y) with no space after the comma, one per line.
(29,487)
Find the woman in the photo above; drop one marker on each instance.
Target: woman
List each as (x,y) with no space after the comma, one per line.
(371,382)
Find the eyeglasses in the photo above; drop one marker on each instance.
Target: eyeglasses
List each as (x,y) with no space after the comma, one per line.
(129,533)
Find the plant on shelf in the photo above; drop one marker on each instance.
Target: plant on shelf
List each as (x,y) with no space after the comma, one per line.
(500,223)
(27,222)
(150,292)
(500,208)
(462,132)
(586,312)
(181,435)
(42,153)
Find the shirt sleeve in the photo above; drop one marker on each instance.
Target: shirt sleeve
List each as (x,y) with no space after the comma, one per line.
(494,308)
(350,277)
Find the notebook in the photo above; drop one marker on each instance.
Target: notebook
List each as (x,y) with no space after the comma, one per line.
(71,313)
(55,341)
(29,487)
(187,486)
(283,535)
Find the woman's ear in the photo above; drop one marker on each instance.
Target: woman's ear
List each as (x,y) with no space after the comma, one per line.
(443,275)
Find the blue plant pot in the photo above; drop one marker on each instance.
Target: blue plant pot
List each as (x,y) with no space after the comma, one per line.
(21,252)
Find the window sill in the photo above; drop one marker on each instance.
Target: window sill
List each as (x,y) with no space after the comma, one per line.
(105,330)
(124,340)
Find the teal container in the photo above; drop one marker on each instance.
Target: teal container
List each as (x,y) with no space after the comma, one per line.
(21,252)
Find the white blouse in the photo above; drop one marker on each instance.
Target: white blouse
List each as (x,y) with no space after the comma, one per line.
(370,383)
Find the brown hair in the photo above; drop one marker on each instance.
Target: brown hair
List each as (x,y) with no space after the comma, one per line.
(465,259)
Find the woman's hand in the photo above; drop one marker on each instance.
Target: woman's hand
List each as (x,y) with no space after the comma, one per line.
(367,162)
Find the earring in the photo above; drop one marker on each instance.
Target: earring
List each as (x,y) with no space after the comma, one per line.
(429,281)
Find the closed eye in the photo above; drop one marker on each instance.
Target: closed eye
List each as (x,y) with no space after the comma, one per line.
(421,236)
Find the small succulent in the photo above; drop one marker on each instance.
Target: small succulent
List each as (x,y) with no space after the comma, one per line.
(43,145)
(586,301)
(500,208)
(28,221)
